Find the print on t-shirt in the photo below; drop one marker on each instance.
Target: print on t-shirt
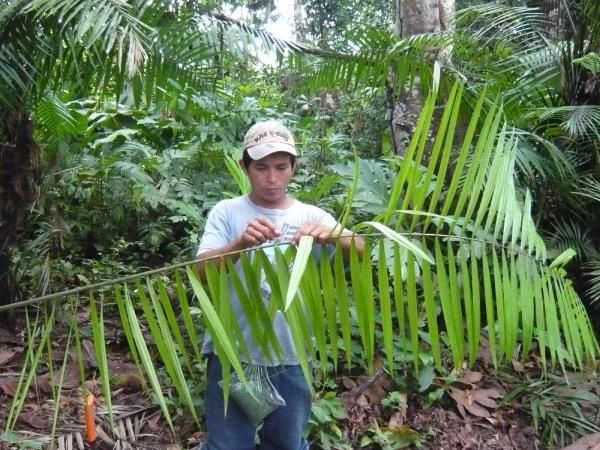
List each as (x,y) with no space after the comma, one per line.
(286,234)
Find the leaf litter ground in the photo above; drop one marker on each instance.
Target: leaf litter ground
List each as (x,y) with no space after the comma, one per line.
(469,418)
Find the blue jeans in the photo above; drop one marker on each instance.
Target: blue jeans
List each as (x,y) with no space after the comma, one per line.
(281,430)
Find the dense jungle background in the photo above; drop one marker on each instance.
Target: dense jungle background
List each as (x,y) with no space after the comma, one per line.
(460,137)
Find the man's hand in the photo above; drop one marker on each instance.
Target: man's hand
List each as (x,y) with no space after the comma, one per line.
(322,234)
(257,232)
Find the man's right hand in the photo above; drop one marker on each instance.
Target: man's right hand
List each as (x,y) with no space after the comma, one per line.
(258,231)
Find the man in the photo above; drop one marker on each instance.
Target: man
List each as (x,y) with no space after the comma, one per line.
(266,215)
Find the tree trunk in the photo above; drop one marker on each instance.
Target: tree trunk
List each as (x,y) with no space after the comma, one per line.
(558,18)
(413,17)
(419,16)
(19,155)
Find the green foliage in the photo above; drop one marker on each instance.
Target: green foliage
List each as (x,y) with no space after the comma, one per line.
(331,23)
(452,263)
(130,171)
(591,61)
(502,281)
(388,438)
(326,411)
(38,335)
(128,187)
(561,411)
(15,439)
(33,55)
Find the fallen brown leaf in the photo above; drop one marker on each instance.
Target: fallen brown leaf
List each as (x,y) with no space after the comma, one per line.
(484,353)
(486,397)
(362,401)
(589,442)
(378,388)
(32,417)
(518,365)
(475,400)
(9,385)
(461,410)
(8,337)
(43,383)
(397,419)
(374,389)
(477,410)
(8,353)
(348,383)
(348,400)
(70,379)
(153,422)
(89,353)
(471,376)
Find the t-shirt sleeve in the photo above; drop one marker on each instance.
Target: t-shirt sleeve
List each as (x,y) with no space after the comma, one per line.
(217,231)
(323,217)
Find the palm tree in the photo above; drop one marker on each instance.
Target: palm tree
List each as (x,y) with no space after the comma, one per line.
(77,48)
(43,45)
(551,92)
(545,80)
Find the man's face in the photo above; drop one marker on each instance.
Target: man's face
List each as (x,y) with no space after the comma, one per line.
(269,178)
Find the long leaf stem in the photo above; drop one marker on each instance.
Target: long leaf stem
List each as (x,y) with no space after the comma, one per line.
(112,282)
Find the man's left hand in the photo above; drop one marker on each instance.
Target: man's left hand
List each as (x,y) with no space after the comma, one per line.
(322,234)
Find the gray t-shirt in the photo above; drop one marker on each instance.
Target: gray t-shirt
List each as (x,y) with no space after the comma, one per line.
(226,222)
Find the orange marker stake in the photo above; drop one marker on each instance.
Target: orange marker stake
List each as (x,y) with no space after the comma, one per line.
(90,424)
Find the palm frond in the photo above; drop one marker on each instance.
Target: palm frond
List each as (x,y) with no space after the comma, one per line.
(589,187)
(183,54)
(580,122)
(282,46)
(111,23)
(519,58)
(593,273)
(456,236)
(487,236)
(518,28)
(45,40)
(539,156)
(54,115)
(373,58)
(569,234)
(591,61)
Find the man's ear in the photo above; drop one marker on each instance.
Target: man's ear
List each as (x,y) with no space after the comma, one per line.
(243,166)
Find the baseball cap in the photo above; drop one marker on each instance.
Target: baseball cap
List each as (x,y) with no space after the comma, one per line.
(265,138)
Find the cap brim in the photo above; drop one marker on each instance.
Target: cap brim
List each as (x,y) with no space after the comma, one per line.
(263,150)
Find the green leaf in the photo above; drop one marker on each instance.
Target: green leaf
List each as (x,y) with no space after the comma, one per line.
(344,305)
(401,240)
(302,255)
(145,357)
(215,325)
(125,133)
(187,316)
(385,306)
(329,301)
(564,258)
(426,376)
(97,320)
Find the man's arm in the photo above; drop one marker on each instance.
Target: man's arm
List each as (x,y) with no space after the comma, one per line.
(256,233)
(324,234)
